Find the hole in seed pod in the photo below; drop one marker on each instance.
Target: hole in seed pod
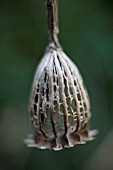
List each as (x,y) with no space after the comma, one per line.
(81,109)
(72,128)
(65,82)
(47,111)
(68,100)
(70,120)
(66,91)
(59,62)
(65,87)
(42,117)
(43,90)
(47,92)
(53,78)
(54,88)
(47,126)
(79,96)
(55,103)
(56,116)
(35,107)
(55,71)
(37,87)
(53,75)
(36,98)
(61,108)
(60,126)
(86,115)
(45,77)
(70,90)
(75,83)
(73,105)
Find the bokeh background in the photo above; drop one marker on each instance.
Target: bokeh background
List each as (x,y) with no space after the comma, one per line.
(86,34)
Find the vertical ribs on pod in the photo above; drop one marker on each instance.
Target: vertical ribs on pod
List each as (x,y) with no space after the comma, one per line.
(59,106)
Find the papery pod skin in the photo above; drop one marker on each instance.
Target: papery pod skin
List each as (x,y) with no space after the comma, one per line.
(59,104)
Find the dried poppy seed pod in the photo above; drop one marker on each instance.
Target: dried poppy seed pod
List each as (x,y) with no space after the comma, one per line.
(59,106)
(59,103)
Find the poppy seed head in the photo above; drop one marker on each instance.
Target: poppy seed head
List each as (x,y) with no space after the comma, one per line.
(59,103)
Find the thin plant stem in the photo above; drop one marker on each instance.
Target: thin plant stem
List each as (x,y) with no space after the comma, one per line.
(52,19)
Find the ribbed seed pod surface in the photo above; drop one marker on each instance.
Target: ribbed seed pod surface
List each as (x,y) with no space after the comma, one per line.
(59,104)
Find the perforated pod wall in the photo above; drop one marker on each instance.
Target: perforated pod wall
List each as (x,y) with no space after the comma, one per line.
(59,104)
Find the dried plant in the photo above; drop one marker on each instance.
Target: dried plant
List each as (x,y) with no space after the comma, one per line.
(59,104)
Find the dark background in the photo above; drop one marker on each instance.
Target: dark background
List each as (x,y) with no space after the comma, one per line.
(86,33)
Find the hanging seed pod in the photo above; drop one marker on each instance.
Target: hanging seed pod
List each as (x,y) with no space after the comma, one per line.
(59,104)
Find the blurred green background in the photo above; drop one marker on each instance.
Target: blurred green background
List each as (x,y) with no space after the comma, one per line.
(86,33)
